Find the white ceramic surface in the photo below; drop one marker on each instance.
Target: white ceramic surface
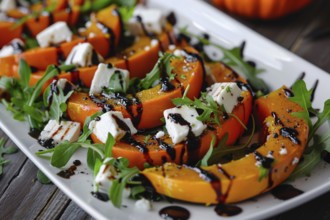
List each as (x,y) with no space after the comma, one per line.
(282,67)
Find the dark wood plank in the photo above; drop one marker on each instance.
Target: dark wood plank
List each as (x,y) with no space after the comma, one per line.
(75,212)
(11,169)
(55,206)
(25,197)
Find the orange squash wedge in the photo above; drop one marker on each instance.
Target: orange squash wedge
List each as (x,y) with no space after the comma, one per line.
(9,33)
(240,179)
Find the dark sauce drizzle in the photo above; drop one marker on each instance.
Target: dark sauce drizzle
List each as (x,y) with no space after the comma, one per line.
(192,57)
(302,76)
(290,133)
(100,196)
(169,149)
(66,174)
(277,119)
(266,162)
(174,213)
(129,139)
(314,90)
(286,191)
(193,142)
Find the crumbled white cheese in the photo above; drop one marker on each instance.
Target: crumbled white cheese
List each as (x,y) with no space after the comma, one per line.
(172,47)
(154,42)
(7,5)
(178,53)
(103,76)
(107,123)
(143,204)
(295,161)
(14,47)
(56,33)
(179,132)
(160,134)
(225,94)
(283,151)
(59,132)
(152,20)
(82,55)
(270,154)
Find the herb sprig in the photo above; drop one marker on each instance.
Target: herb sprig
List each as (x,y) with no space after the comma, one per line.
(233,57)
(153,78)
(210,110)
(25,102)
(302,96)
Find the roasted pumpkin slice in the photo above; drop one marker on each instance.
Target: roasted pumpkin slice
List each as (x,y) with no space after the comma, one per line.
(140,58)
(36,25)
(9,33)
(142,111)
(241,179)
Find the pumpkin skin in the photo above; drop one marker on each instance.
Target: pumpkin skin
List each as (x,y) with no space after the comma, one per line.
(261,9)
(239,179)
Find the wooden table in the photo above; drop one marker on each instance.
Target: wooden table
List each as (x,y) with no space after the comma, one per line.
(23,197)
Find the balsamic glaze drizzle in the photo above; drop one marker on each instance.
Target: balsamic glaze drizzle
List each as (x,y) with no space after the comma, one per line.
(277,119)
(174,213)
(290,133)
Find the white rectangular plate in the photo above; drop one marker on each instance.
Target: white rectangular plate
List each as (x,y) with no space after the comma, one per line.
(282,67)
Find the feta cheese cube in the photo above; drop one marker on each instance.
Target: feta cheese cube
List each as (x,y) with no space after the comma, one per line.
(14,47)
(143,204)
(225,94)
(83,55)
(105,174)
(149,20)
(112,122)
(181,120)
(103,76)
(56,33)
(55,133)
(7,5)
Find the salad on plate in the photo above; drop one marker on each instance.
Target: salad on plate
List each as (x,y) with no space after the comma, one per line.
(162,111)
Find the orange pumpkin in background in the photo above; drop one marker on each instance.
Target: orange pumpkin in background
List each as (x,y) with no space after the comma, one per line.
(261,9)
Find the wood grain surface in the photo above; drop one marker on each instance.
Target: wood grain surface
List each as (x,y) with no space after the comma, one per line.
(23,197)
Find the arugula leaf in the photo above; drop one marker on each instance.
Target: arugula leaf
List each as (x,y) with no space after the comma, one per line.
(117,84)
(312,158)
(24,72)
(302,97)
(5,150)
(154,76)
(42,178)
(123,178)
(58,105)
(207,156)
(62,153)
(263,172)
(210,110)
(96,5)
(321,117)
(126,13)
(109,145)
(233,57)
